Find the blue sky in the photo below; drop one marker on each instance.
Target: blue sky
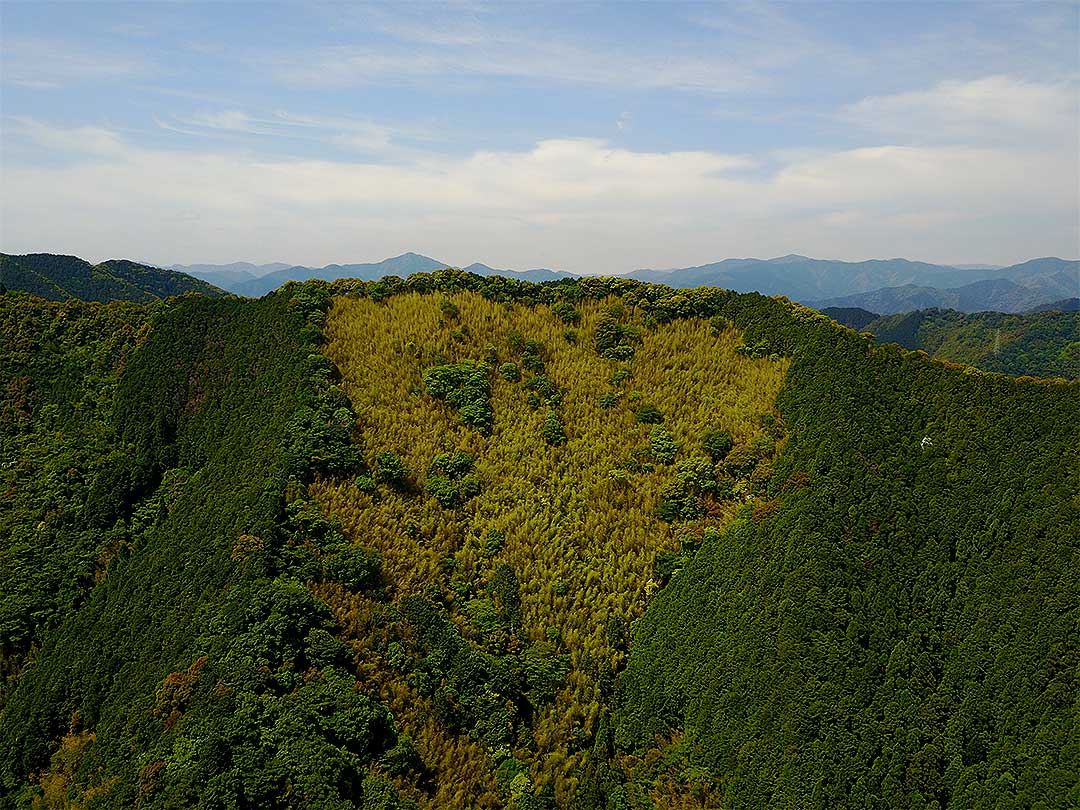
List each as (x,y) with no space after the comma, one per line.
(587,137)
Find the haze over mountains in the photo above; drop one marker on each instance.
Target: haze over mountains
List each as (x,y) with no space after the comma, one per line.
(243,278)
(884,286)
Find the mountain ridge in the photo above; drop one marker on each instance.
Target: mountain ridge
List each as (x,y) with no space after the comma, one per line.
(815,282)
(57,278)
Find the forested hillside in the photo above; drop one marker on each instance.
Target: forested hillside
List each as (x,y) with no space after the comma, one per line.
(587,444)
(1040,344)
(59,278)
(587,544)
(177,656)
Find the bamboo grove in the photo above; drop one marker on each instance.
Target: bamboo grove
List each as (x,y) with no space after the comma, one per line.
(577,523)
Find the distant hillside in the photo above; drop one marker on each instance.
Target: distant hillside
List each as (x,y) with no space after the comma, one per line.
(58,278)
(851,317)
(805,279)
(1045,344)
(1020,288)
(254,281)
(226,275)
(404,265)
(892,285)
(1065,305)
(536,276)
(884,285)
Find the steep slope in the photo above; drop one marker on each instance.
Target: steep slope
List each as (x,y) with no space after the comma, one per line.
(896,632)
(196,666)
(576,512)
(58,278)
(60,365)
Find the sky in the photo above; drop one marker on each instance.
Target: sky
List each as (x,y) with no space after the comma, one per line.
(590,137)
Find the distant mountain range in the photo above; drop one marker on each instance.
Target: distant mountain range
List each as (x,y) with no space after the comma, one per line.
(58,278)
(885,286)
(225,275)
(257,280)
(1018,288)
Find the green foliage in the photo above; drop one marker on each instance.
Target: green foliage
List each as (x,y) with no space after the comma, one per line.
(187,656)
(493,542)
(465,386)
(318,441)
(59,278)
(448,309)
(648,414)
(681,499)
(566,313)
(546,390)
(1043,344)
(615,340)
(552,429)
(893,619)
(464,683)
(717,444)
(609,399)
(505,591)
(393,471)
(662,445)
(881,622)
(450,480)
(510,372)
(70,494)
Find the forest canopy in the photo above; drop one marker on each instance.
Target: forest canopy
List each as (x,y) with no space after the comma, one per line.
(452,541)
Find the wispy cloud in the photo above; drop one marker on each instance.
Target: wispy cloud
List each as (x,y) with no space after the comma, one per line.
(418,45)
(68,142)
(44,63)
(345,66)
(356,134)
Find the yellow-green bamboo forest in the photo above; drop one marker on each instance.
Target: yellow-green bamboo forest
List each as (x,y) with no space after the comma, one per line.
(578,521)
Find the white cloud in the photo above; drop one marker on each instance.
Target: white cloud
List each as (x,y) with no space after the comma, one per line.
(992,108)
(577,204)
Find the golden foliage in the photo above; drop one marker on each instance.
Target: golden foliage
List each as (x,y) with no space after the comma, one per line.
(579,522)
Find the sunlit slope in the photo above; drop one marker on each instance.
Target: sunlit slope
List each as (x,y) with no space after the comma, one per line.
(577,522)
